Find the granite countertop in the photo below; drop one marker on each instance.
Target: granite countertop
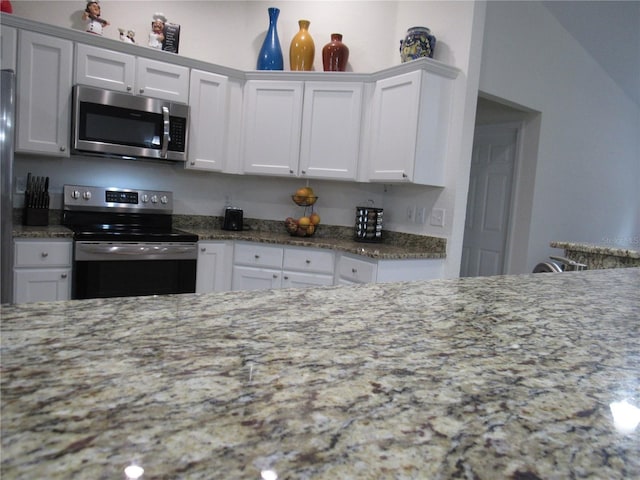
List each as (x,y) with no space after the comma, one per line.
(396,246)
(497,377)
(598,249)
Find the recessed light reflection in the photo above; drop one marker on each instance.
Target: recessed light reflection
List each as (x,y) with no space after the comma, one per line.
(268,475)
(133,472)
(626,417)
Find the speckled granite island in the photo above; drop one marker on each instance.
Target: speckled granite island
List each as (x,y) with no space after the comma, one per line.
(599,256)
(518,377)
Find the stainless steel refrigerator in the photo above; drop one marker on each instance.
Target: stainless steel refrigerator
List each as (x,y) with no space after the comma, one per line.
(7,119)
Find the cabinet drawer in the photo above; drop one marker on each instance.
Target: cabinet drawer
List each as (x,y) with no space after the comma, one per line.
(355,270)
(35,253)
(258,255)
(308,260)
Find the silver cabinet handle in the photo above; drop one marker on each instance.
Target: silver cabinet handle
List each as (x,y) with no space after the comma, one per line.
(307,261)
(63,148)
(64,275)
(286,278)
(256,256)
(203,249)
(129,88)
(275,276)
(142,90)
(354,270)
(44,254)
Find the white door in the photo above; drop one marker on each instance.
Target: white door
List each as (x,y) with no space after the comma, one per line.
(489,201)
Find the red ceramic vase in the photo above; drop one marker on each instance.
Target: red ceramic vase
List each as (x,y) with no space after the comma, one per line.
(335,54)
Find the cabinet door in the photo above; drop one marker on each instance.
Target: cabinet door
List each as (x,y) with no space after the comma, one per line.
(44,94)
(41,285)
(101,68)
(208,108)
(162,80)
(330,141)
(394,128)
(250,278)
(8,48)
(309,260)
(355,270)
(272,123)
(214,267)
(305,280)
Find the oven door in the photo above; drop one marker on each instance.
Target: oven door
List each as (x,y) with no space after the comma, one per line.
(120,269)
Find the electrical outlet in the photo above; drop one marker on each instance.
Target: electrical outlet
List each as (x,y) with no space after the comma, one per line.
(437,217)
(421,215)
(411,213)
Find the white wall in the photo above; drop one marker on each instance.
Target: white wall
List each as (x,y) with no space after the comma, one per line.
(230,33)
(587,180)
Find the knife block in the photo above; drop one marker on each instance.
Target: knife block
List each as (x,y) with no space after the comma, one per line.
(35,216)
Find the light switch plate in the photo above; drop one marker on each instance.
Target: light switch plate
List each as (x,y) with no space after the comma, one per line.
(437,217)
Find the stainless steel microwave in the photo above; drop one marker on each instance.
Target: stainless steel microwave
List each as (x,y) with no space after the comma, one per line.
(119,124)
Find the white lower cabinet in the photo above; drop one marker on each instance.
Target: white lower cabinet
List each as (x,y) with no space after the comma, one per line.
(352,270)
(215,260)
(259,267)
(42,270)
(307,267)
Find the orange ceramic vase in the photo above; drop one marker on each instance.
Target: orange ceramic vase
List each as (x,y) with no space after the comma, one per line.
(302,49)
(335,54)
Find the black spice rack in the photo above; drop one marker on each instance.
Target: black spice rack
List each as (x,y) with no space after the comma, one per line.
(368,224)
(36,201)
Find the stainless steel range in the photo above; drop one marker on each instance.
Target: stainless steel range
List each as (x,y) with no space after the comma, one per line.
(125,243)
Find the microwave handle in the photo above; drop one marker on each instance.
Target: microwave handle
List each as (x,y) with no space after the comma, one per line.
(165,132)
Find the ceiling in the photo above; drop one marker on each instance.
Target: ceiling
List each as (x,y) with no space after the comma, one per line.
(610,32)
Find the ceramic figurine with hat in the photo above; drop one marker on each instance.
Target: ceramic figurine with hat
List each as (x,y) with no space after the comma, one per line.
(156,37)
(91,15)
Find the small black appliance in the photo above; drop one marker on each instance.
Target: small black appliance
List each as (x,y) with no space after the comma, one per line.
(232,219)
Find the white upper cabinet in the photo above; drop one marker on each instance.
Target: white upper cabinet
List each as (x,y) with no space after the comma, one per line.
(122,72)
(8,48)
(307,129)
(271,127)
(407,141)
(44,76)
(208,101)
(330,142)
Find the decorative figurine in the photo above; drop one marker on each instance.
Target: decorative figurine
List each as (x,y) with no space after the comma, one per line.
(127,37)
(91,15)
(156,37)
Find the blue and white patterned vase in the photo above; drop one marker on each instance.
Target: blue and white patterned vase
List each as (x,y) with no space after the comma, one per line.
(418,43)
(270,56)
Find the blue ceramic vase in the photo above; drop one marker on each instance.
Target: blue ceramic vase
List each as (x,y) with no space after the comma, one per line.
(270,56)
(417,44)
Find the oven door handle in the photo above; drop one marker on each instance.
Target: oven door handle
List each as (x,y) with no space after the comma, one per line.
(165,131)
(110,251)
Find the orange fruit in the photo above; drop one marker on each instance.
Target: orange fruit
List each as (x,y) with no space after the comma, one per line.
(315,218)
(311,229)
(304,222)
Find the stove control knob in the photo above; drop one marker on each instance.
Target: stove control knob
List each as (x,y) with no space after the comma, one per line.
(87,195)
(75,194)
(164,199)
(154,199)
(144,198)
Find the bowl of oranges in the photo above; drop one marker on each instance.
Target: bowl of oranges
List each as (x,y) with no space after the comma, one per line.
(304,197)
(307,224)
